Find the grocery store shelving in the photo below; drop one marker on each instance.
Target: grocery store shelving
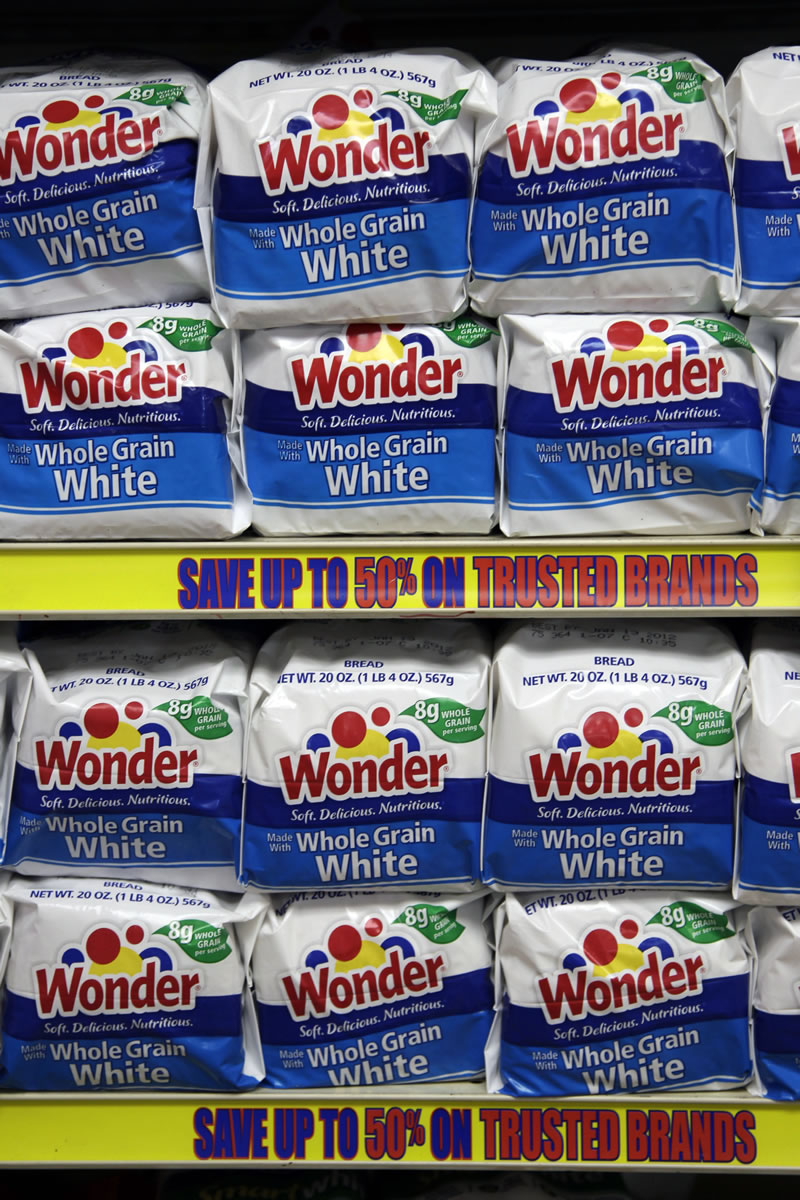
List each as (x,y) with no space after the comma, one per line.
(328,577)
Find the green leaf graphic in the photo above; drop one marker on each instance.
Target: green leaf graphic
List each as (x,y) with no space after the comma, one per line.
(464,331)
(693,922)
(721,331)
(203,942)
(449,720)
(432,110)
(433,921)
(163,94)
(679,80)
(200,717)
(185,333)
(703,723)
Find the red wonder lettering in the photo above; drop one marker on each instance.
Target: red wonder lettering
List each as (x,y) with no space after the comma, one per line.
(35,150)
(574,995)
(789,140)
(316,776)
(65,763)
(326,380)
(543,144)
(293,162)
(585,381)
(318,992)
(561,776)
(54,386)
(66,991)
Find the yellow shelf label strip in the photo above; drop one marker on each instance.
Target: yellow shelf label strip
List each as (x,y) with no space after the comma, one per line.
(495,577)
(159,1130)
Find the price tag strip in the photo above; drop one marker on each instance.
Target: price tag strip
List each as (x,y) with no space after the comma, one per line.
(490,576)
(420,1127)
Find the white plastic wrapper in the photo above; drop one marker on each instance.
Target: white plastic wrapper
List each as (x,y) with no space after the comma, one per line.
(15,686)
(114,984)
(373,988)
(120,424)
(98,159)
(346,425)
(775,934)
(366,757)
(131,754)
(629,424)
(764,103)
(602,991)
(778,342)
(337,188)
(613,757)
(604,185)
(768,860)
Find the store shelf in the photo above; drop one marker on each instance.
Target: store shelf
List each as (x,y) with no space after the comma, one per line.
(427,1125)
(494,576)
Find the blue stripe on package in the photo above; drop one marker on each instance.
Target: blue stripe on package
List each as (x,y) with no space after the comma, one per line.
(130,757)
(346,425)
(98,158)
(619,991)
(366,758)
(613,758)
(604,185)
(775,936)
(120,423)
(341,186)
(768,866)
(764,101)
(371,988)
(629,424)
(778,340)
(118,984)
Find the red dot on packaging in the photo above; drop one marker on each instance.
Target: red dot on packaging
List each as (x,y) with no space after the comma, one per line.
(601,729)
(625,335)
(58,111)
(633,716)
(134,934)
(134,709)
(344,943)
(610,80)
(101,720)
(117,330)
(102,946)
(94,102)
(86,342)
(373,927)
(578,95)
(395,328)
(330,112)
(380,716)
(629,929)
(363,337)
(659,325)
(363,98)
(600,946)
(348,729)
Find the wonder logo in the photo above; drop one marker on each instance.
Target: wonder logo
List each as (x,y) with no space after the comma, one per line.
(105,751)
(114,972)
(590,123)
(361,756)
(607,759)
(354,971)
(343,139)
(618,971)
(372,365)
(635,364)
(793,772)
(99,368)
(67,135)
(789,142)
